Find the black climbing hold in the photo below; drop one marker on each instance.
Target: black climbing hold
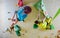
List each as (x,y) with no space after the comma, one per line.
(36,22)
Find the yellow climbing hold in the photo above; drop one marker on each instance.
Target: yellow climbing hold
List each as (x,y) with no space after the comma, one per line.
(48,20)
(42,25)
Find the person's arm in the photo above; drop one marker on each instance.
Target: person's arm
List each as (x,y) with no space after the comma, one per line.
(12,17)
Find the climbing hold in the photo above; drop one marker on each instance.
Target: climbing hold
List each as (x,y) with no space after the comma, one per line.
(52,27)
(48,20)
(35,26)
(38,5)
(9,12)
(17,28)
(58,34)
(48,27)
(36,22)
(58,30)
(18,33)
(42,25)
(58,13)
(20,3)
(27,9)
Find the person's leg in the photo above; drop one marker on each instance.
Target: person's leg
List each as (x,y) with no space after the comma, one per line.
(12,25)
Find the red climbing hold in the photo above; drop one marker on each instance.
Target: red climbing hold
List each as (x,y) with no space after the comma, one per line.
(20,3)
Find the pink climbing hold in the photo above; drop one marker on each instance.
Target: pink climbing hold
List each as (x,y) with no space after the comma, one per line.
(20,3)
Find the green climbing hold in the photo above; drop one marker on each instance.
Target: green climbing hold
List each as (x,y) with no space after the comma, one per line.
(18,33)
(35,26)
(38,5)
(52,27)
(17,28)
(58,13)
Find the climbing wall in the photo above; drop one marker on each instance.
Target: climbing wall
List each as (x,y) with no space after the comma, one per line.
(27,27)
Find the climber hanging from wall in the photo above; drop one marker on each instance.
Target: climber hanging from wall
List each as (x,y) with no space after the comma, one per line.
(20,14)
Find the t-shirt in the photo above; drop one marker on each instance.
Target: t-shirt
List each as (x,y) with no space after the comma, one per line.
(20,14)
